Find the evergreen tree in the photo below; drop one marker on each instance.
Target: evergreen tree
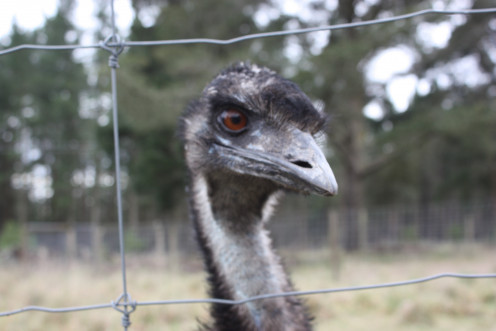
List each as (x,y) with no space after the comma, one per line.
(40,108)
(13,100)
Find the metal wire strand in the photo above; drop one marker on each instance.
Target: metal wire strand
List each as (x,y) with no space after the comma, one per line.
(115,50)
(322,291)
(255,35)
(128,302)
(128,305)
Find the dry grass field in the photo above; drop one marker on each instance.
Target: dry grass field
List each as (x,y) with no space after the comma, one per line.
(445,304)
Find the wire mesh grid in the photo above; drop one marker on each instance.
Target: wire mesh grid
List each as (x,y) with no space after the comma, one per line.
(114,45)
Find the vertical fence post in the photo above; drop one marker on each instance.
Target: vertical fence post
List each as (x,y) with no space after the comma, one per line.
(363,229)
(97,235)
(469,228)
(159,236)
(22,216)
(334,234)
(71,240)
(415,233)
(173,243)
(134,212)
(393,226)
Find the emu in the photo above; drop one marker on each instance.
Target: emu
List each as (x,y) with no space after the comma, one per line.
(250,136)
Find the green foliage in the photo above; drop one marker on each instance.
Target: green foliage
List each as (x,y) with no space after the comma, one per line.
(43,91)
(13,74)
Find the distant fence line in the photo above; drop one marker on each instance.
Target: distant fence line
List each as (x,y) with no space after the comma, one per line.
(378,228)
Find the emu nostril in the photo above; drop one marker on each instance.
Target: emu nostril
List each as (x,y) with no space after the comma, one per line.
(303,164)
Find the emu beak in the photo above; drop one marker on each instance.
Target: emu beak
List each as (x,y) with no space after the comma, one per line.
(293,160)
(303,158)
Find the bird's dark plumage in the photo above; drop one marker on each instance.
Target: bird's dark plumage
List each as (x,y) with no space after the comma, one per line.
(250,135)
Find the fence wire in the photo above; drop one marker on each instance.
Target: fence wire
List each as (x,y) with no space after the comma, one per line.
(134,304)
(113,44)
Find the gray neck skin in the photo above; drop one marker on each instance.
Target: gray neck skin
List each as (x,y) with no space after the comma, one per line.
(231,218)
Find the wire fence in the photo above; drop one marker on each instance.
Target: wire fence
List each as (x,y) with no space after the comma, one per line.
(114,45)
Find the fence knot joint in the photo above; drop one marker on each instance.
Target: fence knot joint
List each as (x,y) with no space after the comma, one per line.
(115,46)
(129,305)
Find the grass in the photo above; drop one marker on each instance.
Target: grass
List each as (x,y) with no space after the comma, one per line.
(445,304)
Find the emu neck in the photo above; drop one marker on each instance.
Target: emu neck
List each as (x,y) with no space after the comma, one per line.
(240,203)
(229,215)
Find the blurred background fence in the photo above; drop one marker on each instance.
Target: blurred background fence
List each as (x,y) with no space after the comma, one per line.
(386,228)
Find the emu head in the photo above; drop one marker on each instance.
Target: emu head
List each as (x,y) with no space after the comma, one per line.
(251,122)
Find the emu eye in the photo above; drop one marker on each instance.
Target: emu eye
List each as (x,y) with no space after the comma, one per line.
(233,120)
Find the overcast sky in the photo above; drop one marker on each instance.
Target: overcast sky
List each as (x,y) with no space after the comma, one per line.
(30,14)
